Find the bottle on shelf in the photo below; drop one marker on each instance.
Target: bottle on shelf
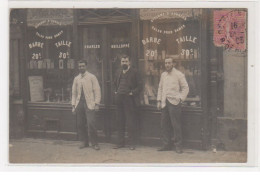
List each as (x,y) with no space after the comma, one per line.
(48,63)
(35,64)
(31,64)
(61,64)
(40,64)
(195,54)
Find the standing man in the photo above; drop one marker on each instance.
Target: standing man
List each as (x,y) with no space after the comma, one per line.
(86,96)
(127,92)
(173,90)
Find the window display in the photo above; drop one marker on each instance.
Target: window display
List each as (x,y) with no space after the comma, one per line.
(49,54)
(176,35)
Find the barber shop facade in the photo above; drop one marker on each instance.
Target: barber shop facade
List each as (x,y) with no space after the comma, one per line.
(45,45)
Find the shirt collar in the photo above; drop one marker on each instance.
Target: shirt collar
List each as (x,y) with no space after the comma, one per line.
(83,75)
(173,70)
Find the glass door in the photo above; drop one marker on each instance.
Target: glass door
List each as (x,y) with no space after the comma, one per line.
(119,43)
(92,51)
(102,47)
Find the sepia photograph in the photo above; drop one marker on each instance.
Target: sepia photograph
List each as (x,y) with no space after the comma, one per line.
(128,85)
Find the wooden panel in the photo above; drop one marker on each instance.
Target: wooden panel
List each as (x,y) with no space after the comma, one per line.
(68,122)
(191,126)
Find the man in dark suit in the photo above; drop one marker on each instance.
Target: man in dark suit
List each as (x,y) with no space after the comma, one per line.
(127,87)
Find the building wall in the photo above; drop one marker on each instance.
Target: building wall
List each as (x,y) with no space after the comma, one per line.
(235,84)
(232,128)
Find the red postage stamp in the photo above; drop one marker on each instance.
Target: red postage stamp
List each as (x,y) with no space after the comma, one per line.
(230,29)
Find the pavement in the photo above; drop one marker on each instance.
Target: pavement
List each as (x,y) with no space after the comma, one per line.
(41,151)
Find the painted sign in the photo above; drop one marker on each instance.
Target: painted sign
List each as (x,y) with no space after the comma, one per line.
(157,14)
(230,29)
(36,88)
(63,43)
(154,40)
(189,38)
(168,14)
(92,46)
(48,22)
(119,46)
(36,44)
(36,50)
(63,47)
(62,16)
(149,14)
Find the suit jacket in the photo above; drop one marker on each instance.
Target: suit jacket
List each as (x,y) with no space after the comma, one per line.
(91,90)
(133,79)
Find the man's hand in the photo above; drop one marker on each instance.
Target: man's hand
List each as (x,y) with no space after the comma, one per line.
(130,93)
(159,105)
(73,110)
(96,107)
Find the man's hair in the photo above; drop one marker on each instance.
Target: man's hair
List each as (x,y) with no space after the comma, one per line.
(125,56)
(173,61)
(83,61)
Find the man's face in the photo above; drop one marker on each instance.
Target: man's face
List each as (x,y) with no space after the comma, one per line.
(125,63)
(169,64)
(82,68)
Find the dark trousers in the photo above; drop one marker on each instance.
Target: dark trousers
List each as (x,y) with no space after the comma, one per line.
(171,121)
(126,117)
(86,124)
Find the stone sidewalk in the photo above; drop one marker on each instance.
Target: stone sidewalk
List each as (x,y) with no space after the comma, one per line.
(41,151)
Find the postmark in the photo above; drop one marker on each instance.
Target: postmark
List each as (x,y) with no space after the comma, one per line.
(230,29)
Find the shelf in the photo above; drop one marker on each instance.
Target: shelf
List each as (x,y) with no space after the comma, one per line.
(178,60)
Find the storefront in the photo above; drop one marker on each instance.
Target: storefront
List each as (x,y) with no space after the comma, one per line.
(47,43)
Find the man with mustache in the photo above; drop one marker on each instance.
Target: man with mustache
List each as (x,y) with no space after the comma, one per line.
(127,91)
(173,90)
(86,96)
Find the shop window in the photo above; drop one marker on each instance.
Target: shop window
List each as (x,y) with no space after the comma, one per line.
(170,34)
(50,63)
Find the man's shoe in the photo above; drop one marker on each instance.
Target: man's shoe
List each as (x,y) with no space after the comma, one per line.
(118,146)
(83,145)
(179,150)
(96,147)
(164,149)
(132,147)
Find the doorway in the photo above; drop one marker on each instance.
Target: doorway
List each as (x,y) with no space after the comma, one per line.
(102,46)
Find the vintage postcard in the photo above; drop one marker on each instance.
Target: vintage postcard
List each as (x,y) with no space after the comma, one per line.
(132,83)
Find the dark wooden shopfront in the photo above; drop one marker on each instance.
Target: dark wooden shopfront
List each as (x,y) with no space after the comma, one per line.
(101,36)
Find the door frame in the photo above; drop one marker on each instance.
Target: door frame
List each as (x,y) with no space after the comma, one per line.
(108,109)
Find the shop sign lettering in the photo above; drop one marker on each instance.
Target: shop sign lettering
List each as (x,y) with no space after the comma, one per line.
(35,48)
(48,22)
(154,14)
(168,15)
(63,43)
(36,44)
(182,39)
(94,46)
(64,54)
(126,45)
(151,40)
(36,56)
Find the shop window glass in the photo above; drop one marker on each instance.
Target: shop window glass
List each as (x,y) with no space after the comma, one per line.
(175,35)
(49,55)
